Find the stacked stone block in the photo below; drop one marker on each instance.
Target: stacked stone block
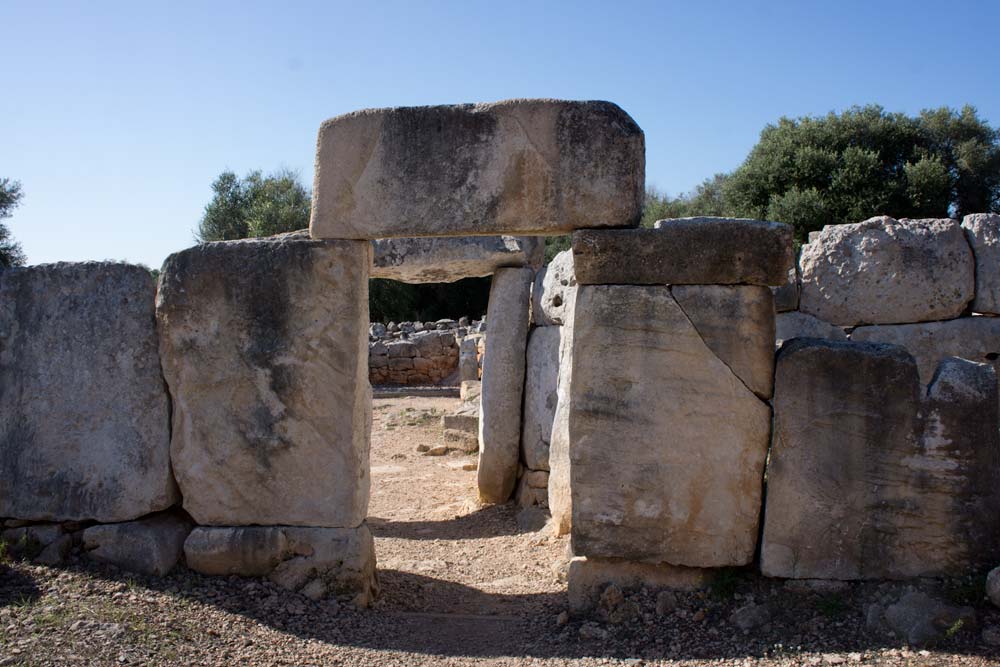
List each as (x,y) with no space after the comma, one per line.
(264,348)
(672,363)
(425,358)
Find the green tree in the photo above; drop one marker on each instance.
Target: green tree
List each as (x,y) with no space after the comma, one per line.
(843,168)
(10,198)
(254,206)
(706,199)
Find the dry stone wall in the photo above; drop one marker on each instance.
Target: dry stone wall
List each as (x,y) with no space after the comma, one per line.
(630,385)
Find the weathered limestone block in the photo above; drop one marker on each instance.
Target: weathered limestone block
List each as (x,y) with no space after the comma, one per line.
(668,445)
(445,260)
(864,480)
(152,545)
(468,360)
(800,325)
(589,577)
(686,251)
(737,324)
(532,489)
(553,290)
(559,496)
(316,561)
(786,297)
(983,233)
(503,384)
(973,338)
(512,167)
(541,383)
(886,271)
(84,413)
(264,346)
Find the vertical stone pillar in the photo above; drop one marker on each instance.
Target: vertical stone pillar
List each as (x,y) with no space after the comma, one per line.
(264,347)
(503,383)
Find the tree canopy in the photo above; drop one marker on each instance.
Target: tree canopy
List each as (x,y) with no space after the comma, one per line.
(254,206)
(843,168)
(10,198)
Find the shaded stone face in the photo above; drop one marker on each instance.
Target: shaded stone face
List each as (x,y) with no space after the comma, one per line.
(318,562)
(445,260)
(84,413)
(668,444)
(869,480)
(265,351)
(886,271)
(800,325)
(541,382)
(686,251)
(513,167)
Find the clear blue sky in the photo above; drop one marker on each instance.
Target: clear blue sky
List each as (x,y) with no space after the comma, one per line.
(116,117)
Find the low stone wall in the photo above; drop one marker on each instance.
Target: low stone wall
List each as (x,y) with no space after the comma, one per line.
(416,354)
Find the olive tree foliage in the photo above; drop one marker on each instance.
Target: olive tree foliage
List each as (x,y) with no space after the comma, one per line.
(10,198)
(254,206)
(843,168)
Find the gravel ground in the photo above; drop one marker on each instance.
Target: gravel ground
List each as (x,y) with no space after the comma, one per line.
(461,585)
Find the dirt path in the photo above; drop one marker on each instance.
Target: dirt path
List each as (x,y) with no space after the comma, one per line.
(438,550)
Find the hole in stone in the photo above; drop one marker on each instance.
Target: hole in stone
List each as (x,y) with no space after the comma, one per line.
(993,356)
(557,301)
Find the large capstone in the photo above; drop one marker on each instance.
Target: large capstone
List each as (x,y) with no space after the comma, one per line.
(445,260)
(503,384)
(983,232)
(513,167)
(318,562)
(668,444)
(886,271)
(540,395)
(870,479)
(84,413)
(264,346)
(686,251)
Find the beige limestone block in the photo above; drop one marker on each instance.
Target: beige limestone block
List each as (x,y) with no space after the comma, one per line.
(886,271)
(265,351)
(668,445)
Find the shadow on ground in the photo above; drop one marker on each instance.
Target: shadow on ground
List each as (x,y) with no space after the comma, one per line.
(491,521)
(435,617)
(16,587)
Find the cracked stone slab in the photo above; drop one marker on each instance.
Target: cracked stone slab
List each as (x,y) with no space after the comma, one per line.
(318,562)
(886,271)
(84,413)
(686,251)
(265,349)
(737,324)
(869,478)
(541,385)
(669,445)
(445,260)
(511,167)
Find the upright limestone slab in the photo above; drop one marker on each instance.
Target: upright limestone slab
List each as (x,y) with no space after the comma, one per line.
(513,167)
(983,232)
(84,414)
(503,383)
(869,478)
(668,445)
(265,349)
(541,383)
